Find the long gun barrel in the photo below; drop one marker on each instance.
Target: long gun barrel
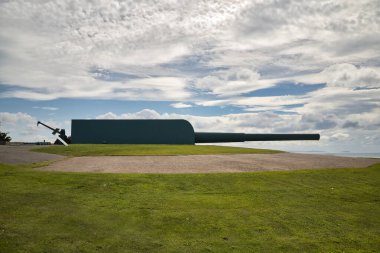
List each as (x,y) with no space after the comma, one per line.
(55,130)
(205,137)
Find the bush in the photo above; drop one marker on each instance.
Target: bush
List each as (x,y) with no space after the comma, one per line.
(4,138)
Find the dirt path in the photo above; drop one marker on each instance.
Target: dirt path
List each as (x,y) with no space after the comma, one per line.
(206,163)
(21,154)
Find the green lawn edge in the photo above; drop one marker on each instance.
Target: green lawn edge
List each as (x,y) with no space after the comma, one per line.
(156,150)
(325,210)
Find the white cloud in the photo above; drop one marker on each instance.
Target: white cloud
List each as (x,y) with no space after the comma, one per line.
(349,90)
(229,82)
(108,115)
(12,119)
(22,127)
(286,38)
(255,42)
(181,105)
(350,76)
(144,114)
(49,48)
(339,136)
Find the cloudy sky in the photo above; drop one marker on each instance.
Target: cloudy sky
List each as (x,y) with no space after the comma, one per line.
(240,66)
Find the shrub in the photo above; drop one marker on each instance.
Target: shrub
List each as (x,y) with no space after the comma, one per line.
(4,138)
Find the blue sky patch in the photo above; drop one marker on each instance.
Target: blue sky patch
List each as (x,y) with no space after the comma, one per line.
(286,88)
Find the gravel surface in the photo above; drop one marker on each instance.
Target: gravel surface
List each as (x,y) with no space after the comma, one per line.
(21,154)
(206,163)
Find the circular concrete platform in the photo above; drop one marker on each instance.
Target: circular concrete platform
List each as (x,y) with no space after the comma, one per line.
(206,163)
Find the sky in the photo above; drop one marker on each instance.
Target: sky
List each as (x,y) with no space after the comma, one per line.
(227,66)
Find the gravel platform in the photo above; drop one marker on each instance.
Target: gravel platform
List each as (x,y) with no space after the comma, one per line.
(21,154)
(206,163)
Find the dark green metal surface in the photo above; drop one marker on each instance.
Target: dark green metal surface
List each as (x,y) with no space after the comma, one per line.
(241,137)
(131,132)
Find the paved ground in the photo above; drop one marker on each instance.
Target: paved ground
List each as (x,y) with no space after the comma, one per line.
(206,163)
(21,154)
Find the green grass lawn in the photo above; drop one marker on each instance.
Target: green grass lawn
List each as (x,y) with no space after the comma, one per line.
(336,210)
(132,149)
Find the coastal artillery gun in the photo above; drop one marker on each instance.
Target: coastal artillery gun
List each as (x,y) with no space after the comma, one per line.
(161,131)
(62,137)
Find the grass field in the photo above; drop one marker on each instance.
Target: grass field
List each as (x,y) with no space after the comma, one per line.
(298,211)
(131,149)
